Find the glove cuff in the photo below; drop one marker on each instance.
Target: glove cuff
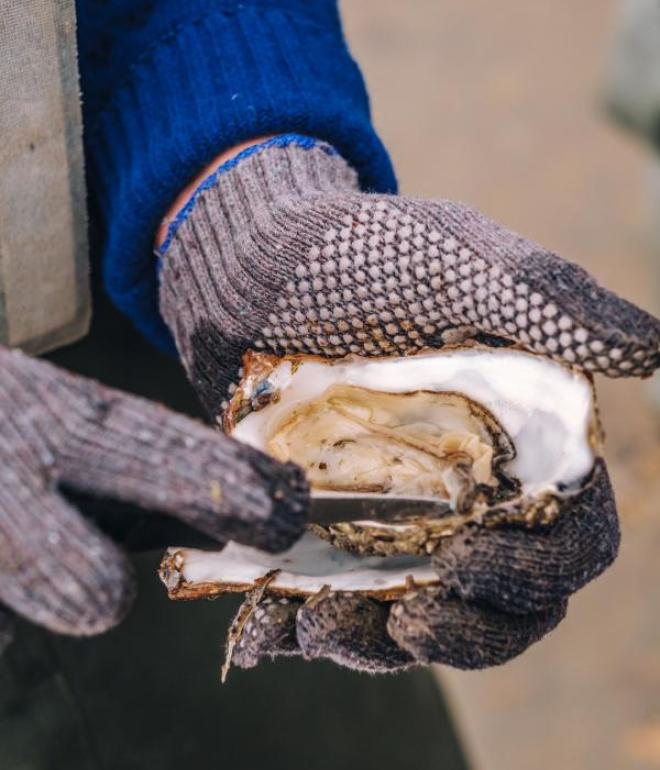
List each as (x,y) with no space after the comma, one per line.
(227,250)
(247,188)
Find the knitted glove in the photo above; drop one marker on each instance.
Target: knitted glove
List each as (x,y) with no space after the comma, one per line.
(61,430)
(502,590)
(279,250)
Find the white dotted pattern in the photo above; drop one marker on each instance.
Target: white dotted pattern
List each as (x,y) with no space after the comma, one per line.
(384,283)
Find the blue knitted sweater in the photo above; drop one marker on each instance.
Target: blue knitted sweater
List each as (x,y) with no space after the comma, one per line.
(169,84)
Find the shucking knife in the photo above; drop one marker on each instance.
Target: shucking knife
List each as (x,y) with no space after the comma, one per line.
(138,530)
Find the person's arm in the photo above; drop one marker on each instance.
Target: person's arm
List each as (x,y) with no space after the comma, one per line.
(167,86)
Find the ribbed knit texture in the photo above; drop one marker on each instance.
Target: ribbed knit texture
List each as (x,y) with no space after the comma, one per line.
(169,85)
(227,262)
(60,429)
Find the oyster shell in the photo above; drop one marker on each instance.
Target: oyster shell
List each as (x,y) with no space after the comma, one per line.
(307,567)
(494,432)
(498,434)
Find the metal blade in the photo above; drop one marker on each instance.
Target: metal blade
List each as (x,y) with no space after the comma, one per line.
(138,530)
(333,510)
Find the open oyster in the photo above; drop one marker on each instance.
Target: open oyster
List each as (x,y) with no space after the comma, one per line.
(497,435)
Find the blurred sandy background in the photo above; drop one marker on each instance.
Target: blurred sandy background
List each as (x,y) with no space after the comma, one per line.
(497,104)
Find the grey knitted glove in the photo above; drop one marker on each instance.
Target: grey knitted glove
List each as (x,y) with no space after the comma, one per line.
(279,250)
(502,590)
(61,430)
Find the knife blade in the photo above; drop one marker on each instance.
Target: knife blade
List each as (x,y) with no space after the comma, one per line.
(333,510)
(139,530)
(323,511)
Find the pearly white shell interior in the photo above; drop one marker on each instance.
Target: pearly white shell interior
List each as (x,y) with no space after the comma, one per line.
(544,407)
(305,568)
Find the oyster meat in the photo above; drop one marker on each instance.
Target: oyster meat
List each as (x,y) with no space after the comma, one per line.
(498,435)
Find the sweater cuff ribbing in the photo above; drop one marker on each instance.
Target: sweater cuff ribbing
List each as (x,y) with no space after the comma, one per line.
(213,83)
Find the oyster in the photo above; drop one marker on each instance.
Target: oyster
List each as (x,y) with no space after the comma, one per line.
(498,435)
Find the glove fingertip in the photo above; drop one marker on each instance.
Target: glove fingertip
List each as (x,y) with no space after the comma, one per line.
(285,495)
(103,593)
(72,579)
(437,629)
(525,571)
(269,632)
(232,491)
(350,630)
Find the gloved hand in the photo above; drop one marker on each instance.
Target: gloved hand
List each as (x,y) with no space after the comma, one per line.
(502,590)
(59,429)
(279,250)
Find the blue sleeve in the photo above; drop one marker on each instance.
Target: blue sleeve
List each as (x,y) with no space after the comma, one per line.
(167,85)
